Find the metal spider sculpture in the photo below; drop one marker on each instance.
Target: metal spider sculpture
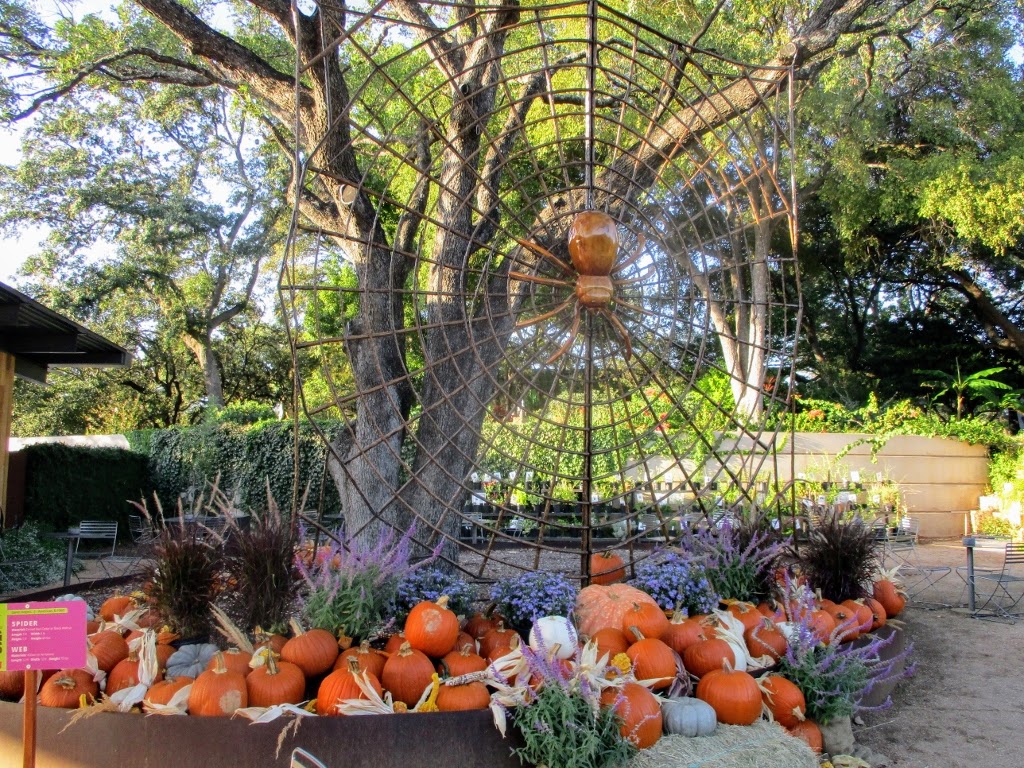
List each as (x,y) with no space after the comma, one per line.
(593,249)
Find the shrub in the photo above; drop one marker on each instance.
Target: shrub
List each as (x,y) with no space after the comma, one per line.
(532,595)
(42,560)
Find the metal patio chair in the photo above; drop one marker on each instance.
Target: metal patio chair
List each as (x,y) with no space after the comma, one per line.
(1007,586)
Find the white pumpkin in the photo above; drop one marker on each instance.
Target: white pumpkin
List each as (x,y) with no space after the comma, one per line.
(555,636)
(688,717)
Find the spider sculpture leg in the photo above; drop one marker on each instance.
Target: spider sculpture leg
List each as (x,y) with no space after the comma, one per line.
(615,323)
(542,251)
(636,254)
(573,332)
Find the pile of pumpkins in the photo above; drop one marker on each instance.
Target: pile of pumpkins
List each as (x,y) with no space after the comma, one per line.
(652,651)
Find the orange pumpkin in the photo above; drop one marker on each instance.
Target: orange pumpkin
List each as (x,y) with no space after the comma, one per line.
(846,622)
(822,624)
(369,659)
(236,660)
(276,682)
(341,686)
(640,712)
(682,632)
(766,639)
(861,613)
(499,637)
(611,641)
(314,652)
(462,662)
(653,660)
(394,643)
(707,656)
(12,685)
(125,675)
(218,692)
(407,674)
(733,695)
(886,593)
(66,688)
(606,568)
(646,618)
(118,605)
(163,691)
(463,698)
(432,628)
(747,613)
(878,614)
(478,625)
(108,647)
(809,731)
(784,700)
(598,607)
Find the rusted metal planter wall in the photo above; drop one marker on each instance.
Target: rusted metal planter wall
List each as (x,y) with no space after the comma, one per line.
(451,739)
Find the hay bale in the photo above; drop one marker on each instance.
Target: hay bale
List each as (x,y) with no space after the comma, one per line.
(761,745)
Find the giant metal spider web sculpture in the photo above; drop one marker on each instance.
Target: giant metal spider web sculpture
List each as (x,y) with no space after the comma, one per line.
(553,303)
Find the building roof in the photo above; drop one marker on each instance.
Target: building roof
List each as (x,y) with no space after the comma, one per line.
(40,338)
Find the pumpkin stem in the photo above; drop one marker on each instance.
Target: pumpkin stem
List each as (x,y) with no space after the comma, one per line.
(442,601)
(218,663)
(297,630)
(272,668)
(353,664)
(635,631)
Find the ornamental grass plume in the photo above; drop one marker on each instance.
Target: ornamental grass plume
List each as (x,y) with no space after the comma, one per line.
(840,557)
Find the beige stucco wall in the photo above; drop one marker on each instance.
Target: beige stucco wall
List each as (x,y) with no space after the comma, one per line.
(941,479)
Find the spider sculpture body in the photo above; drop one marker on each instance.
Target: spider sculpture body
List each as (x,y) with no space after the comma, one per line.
(594,250)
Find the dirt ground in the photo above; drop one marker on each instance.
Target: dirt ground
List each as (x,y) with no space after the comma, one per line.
(963,706)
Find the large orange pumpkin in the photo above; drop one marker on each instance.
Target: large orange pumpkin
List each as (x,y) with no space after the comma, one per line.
(890,597)
(314,652)
(682,632)
(341,686)
(66,688)
(407,674)
(218,692)
(784,700)
(462,698)
(733,695)
(598,607)
(765,639)
(653,660)
(606,568)
(809,731)
(708,656)
(162,692)
(276,682)
(639,710)
(432,628)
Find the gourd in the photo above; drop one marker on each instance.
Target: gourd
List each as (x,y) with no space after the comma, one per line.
(66,688)
(598,607)
(734,696)
(218,692)
(555,636)
(640,713)
(191,660)
(276,682)
(432,628)
(688,717)
(606,568)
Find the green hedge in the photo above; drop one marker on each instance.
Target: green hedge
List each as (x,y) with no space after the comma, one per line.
(245,457)
(65,484)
